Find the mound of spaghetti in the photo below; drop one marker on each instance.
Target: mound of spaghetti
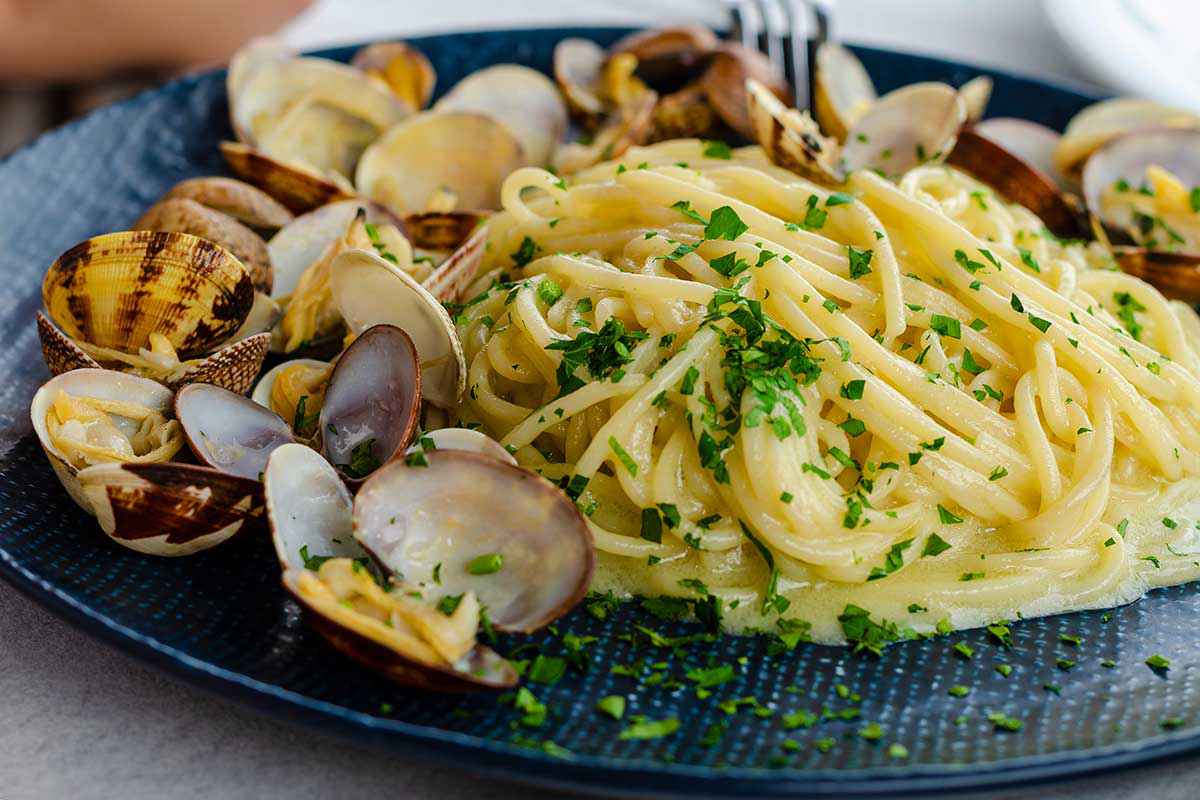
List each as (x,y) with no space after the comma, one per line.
(856,414)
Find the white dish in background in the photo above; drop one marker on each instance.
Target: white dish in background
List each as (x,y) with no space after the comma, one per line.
(1146,48)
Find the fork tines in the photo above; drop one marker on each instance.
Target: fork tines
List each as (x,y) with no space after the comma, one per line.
(787,32)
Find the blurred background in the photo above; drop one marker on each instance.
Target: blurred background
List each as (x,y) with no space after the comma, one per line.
(61,58)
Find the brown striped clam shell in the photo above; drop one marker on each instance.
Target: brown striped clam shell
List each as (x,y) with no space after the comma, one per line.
(115,290)
(170,509)
(296,186)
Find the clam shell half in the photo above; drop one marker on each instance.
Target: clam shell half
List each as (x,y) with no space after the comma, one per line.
(169,509)
(229,432)
(412,518)
(103,384)
(309,507)
(372,402)
(370,291)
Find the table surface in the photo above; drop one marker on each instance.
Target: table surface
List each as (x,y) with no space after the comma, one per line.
(80,719)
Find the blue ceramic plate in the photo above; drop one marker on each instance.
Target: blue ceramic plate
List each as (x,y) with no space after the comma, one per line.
(220,619)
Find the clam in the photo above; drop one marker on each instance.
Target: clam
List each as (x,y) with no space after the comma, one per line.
(182,215)
(151,302)
(170,509)
(227,431)
(910,126)
(436,522)
(264,93)
(247,60)
(247,204)
(975,95)
(843,90)
(370,291)
(1141,190)
(372,402)
(306,239)
(1018,182)
(791,138)
(521,99)
(402,637)
(320,135)
(297,186)
(405,70)
(667,58)
(724,83)
(1032,143)
(627,126)
(466,153)
(462,439)
(1102,122)
(578,64)
(92,416)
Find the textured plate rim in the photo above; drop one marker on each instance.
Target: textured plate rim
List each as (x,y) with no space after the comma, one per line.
(588,773)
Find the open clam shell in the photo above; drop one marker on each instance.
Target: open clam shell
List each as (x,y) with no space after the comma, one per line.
(1102,122)
(724,83)
(233,366)
(1032,143)
(268,89)
(370,291)
(465,153)
(522,99)
(298,187)
(791,138)
(628,125)
(169,509)
(668,58)
(101,384)
(528,559)
(115,290)
(577,67)
(227,431)
(247,204)
(1018,182)
(320,135)
(310,512)
(188,216)
(910,126)
(842,90)
(463,439)
(1167,253)
(372,402)
(405,70)
(1127,159)
(299,244)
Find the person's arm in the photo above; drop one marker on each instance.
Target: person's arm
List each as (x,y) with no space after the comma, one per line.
(69,40)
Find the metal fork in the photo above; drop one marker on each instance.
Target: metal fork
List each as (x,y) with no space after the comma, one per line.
(788,32)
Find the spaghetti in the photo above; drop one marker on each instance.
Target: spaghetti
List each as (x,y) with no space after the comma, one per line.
(904,398)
